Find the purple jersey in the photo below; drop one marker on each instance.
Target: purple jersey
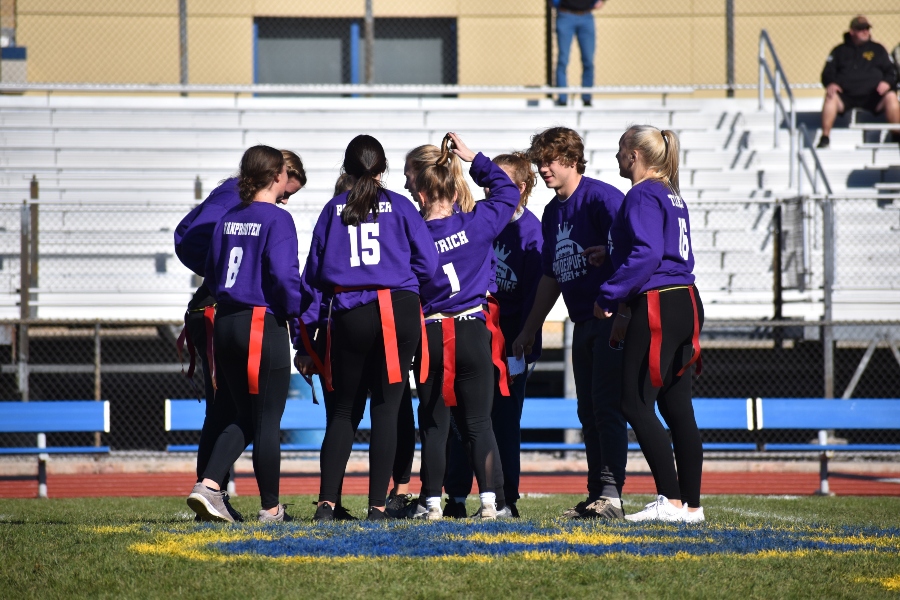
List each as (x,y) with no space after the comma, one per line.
(253,260)
(518,270)
(395,252)
(464,243)
(569,226)
(194,233)
(650,244)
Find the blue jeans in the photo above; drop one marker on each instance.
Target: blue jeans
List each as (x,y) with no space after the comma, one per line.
(569,25)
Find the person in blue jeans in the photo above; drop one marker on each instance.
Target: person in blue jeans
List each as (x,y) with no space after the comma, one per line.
(574,18)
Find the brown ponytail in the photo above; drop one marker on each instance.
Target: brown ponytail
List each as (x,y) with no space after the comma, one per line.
(260,165)
(364,160)
(435,180)
(423,156)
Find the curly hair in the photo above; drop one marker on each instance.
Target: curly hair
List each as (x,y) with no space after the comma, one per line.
(558,143)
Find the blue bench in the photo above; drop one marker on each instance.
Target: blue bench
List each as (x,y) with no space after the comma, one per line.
(53,417)
(711,413)
(825,414)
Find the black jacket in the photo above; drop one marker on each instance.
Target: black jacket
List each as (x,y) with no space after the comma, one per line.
(858,69)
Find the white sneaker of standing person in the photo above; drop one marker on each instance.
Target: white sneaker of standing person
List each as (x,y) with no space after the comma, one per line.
(660,510)
(695,516)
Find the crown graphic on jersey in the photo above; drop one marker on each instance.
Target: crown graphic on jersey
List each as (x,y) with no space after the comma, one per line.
(564,231)
(501,253)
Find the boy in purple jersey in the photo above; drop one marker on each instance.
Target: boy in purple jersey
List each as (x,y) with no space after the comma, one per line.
(517,270)
(459,343)
(658,314)
(579,217)
(252,272)
(370,251)
(192,241)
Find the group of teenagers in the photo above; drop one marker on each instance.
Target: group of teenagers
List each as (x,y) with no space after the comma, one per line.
(455,291)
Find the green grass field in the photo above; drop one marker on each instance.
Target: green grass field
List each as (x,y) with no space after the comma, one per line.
(750,547)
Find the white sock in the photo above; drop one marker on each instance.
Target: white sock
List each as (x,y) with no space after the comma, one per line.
(488,498)
(459,499)
(432,502)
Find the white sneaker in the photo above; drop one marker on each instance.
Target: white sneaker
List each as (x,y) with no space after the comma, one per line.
(487,512)
(434,513)
(695,516)
(660,510)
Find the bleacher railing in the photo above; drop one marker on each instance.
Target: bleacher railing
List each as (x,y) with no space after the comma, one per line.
(776,78)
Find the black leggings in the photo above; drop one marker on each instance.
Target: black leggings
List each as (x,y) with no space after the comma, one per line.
(258,416)
(474,385)
(674,397)
(220,411)
(359,366)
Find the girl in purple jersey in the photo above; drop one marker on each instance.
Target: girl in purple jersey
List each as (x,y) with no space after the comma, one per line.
(658,315)
(518,271)
(193,236)
(252,272)
(461,375)
(370,253)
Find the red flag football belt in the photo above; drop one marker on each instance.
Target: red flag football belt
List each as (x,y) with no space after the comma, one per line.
(209,314)
(389,333)
(498,351)
(655,319)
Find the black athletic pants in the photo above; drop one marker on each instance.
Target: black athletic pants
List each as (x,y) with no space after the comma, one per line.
(597,369)
(674,397)
(257,416)
(474,385)
(358,366)
(506,416)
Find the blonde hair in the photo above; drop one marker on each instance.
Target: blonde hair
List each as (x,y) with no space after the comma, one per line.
(522,173)
(429,155)
(660,150)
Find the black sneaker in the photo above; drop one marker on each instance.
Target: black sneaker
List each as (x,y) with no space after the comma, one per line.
(603,508)
(324,512)
(377,515)
(513,510)
(588,104)
(455,510)
(238,517)
(575,511)
(341,514)
(824,142)
(397,505)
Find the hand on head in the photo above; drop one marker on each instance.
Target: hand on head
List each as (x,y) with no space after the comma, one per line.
(459,148)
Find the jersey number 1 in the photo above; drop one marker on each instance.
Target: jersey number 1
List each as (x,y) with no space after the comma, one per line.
(371,250)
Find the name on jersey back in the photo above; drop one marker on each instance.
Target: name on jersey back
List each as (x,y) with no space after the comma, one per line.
(232,228)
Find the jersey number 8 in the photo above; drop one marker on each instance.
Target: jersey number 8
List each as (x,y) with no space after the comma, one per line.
(234,263)
(371,249)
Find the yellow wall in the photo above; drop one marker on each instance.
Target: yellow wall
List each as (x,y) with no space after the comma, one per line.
(500,42)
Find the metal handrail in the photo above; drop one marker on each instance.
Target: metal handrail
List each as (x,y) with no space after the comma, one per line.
(817,169)
(775,79)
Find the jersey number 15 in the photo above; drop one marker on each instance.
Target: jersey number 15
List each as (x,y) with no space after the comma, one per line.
(364,237)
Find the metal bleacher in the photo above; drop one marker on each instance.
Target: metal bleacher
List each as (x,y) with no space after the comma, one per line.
(117,173)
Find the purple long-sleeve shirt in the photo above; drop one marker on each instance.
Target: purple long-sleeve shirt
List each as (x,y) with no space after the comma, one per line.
(650,244)
(253,260)
(395,252)
(464,242)
(518,270)
(569,226)
(194,232)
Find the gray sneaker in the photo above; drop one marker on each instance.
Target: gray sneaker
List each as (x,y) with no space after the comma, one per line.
(416,511)
(210,505)
(575,511)
(489,512)
(602,508)
(281,516)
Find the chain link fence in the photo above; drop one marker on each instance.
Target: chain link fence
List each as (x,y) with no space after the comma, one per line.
(485,44)
(764,336)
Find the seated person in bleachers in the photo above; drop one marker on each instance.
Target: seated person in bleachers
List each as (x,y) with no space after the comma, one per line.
(858,74)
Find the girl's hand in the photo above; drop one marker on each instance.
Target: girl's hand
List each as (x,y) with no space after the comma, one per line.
(600,312)
(459,148)
(305,365)
(595,255)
